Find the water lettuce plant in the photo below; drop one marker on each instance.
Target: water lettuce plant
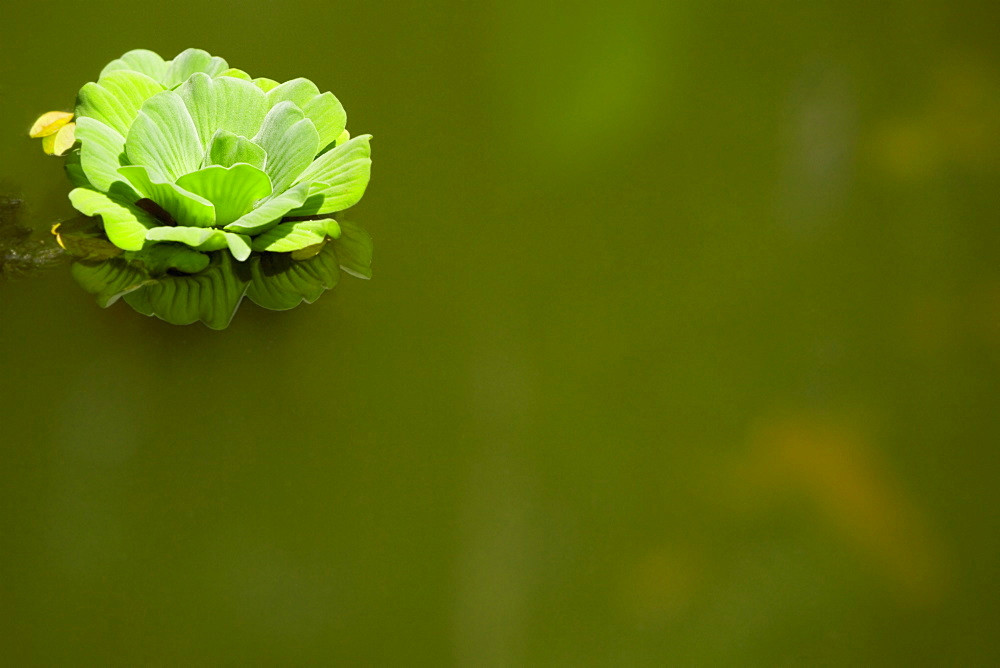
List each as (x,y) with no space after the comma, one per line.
(203,185)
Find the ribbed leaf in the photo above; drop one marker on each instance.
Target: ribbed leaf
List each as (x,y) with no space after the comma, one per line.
(324,110)
(339,177)
(226,149)
(280,283)
(233,190)
(291,142)
(191,61)
(270,212)
(139,60)
(288,237)
(298,91)
(124,223)
(185,207)
(101,150)
(354,250)
(328,115)
(116,97)
(202,238)
(211,296)
(108,280)
(223,103)
(164,137)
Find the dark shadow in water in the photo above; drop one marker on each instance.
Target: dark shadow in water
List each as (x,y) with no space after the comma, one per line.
(20,253)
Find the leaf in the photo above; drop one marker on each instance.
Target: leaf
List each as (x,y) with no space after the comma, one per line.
(290,141)
(63,140)
(49,123)
(184,206)
(101,151)
(164,137)
(324,110)
(74,171)
(298,91)
(233,190)
(124,223)
(270,212)
(202,238)
(339,177)
(239,245)
(84,240)
(236,74)
(226,149)
(190,62)
(115,99)
(329,117)
(288,237)
(279,283)
(211,296)
(160,258)
(108,279)
(265,84)
(140,60)
(354,250)
(223,103)
(49,145)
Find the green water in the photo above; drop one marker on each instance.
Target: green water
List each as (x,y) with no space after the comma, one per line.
(681,350)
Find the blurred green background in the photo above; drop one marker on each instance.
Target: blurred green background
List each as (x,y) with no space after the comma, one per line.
(682,350)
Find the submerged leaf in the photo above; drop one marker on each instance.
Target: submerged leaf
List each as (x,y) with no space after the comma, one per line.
(354,250)
(279,282)
(109,279)
(160,258)
(211,296)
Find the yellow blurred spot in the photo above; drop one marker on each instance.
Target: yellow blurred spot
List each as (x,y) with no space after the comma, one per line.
(49,123)
(832,464)
(661,584)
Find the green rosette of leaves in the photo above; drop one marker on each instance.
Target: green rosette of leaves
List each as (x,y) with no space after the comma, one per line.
(210,185)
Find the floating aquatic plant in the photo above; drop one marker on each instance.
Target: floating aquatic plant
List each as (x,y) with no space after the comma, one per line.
(202,185)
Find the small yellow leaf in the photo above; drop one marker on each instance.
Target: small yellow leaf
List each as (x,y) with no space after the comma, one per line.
(344,136)
(50,123)
(49,144)
(65,139)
